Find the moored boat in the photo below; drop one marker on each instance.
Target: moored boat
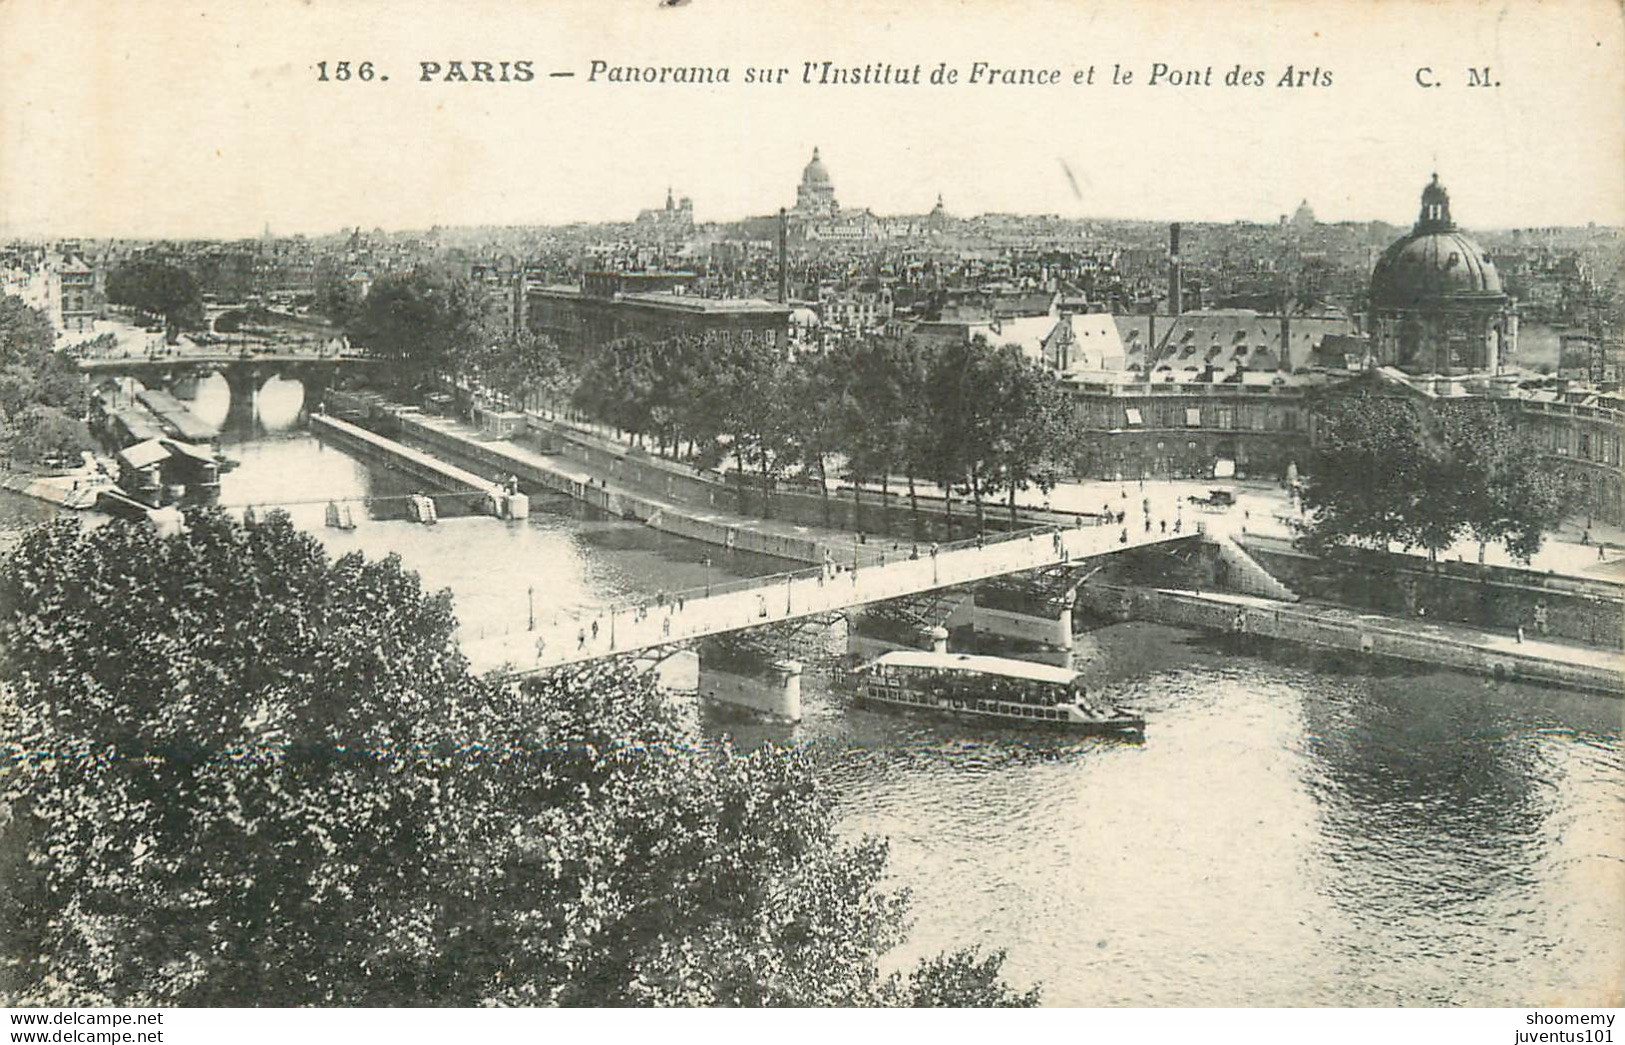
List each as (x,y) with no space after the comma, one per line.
(989,689)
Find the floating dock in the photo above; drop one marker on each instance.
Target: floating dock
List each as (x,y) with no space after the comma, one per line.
(498,500)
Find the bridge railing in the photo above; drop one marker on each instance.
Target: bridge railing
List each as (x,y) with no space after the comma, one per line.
(766,584)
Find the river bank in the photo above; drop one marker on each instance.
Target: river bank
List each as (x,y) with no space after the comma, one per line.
(1454,646)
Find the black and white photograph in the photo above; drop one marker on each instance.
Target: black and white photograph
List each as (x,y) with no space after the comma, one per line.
(709,504)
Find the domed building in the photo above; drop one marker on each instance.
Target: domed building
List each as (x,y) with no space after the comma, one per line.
(815,196)
(1437,306)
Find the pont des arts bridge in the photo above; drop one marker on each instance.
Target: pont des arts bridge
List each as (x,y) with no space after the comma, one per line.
(659,628)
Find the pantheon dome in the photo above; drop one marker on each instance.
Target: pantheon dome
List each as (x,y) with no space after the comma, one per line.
(1437,304)
(816,193)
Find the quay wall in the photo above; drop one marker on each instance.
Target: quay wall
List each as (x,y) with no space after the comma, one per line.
(615,501)
(1502,598)
(1303,625)
(41,488)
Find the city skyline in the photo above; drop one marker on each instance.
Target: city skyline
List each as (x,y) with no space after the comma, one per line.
(209,122)
(629,213)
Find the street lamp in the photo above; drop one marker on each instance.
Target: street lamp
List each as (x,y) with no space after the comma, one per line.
(707,561)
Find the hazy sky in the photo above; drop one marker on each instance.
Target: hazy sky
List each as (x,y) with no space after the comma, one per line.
(176,119)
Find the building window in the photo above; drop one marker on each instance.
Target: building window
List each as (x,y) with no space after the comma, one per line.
(1227,417)
(1134,416)
(1193,417)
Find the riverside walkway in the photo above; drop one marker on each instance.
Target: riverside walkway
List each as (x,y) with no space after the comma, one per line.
(684,616)
(1439,644)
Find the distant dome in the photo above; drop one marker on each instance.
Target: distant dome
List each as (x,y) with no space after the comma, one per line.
(1436,260)
(815,174)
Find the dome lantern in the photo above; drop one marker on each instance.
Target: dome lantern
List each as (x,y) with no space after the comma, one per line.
(1435,213)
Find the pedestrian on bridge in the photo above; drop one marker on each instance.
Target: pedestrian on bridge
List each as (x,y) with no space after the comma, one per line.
(595,629)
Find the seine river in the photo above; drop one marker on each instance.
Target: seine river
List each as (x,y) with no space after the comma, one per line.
(1294,830)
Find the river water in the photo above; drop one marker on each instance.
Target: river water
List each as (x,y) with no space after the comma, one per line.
(1295,829)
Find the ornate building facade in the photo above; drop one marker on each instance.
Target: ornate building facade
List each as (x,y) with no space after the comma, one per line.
(1437,304)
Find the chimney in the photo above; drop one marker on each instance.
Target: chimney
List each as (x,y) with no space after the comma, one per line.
(784,233)
(1175,286)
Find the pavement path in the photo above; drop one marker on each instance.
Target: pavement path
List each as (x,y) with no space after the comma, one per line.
(689,615)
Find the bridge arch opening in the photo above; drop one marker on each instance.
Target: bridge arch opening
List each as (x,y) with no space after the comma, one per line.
(275,406)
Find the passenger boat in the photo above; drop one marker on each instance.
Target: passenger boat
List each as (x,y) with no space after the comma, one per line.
(990,689)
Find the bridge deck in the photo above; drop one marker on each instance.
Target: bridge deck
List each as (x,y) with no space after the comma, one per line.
(784,597)
(216,360)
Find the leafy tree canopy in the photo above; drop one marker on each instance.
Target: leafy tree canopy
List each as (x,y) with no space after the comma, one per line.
(241,772)
(159,288)
(42,395)
(1423,475)
(431,321)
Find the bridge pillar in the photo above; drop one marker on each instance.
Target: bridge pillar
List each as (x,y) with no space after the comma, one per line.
(244,382)
(773,694)
(317,381)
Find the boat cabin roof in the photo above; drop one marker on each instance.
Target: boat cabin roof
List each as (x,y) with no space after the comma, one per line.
(982,665)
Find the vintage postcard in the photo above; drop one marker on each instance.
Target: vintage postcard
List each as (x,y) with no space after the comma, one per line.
(711,503)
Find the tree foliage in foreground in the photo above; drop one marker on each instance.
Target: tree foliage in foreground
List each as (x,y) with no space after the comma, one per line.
(240,772)
(1393,470)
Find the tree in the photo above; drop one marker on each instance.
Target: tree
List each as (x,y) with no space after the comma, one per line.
(25,332)
(243,773)
(1394,470)
(42,395)
(1039,428)
(998,422)
(161,289)
(522,364)
(430,321)
(42,433)
(337,298)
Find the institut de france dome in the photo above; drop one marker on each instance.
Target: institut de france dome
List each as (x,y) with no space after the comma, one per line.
(1437,305)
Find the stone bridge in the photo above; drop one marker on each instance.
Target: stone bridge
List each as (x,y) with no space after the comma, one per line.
(245,372)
